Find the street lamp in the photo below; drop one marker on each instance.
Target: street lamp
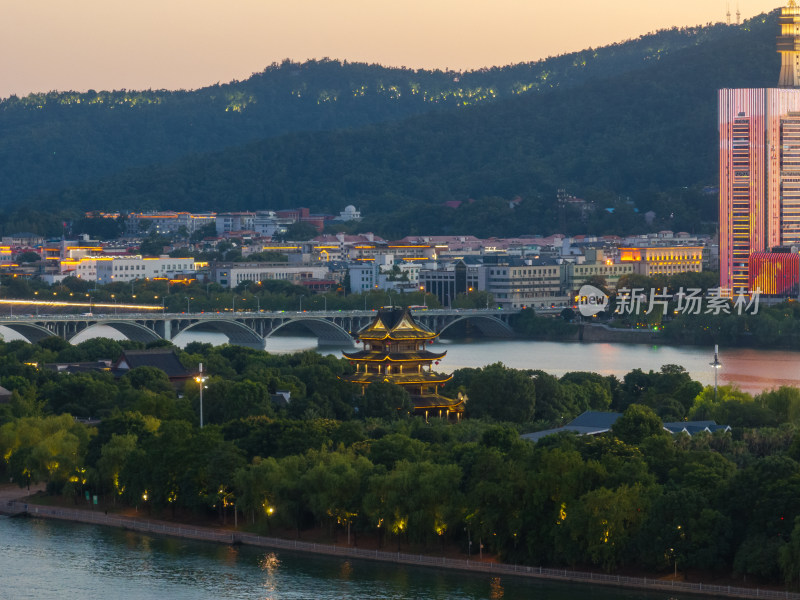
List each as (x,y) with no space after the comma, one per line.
(717,365)
(188,310)
(301,303)
(37,302)
(201,380)
(114,298)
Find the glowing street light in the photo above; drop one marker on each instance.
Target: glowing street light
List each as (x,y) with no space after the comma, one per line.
(201,380)
(717,365)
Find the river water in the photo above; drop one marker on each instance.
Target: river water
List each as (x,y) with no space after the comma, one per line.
(751,370)
(51,560)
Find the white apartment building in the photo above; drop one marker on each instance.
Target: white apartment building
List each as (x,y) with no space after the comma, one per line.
(108,269)
(234,221)
(232,274)
(383,273)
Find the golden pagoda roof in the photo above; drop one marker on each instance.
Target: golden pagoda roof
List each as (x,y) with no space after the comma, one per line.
(395,324)
(377,356)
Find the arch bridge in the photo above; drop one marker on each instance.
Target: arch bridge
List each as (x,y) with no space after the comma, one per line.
(250,329)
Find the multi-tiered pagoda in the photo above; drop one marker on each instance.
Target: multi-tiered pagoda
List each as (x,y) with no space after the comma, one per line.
(395,351)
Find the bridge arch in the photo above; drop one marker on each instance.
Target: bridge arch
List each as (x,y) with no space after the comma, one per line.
(488,325)
(237,333)
(327,332)
(30,331)
(132,331)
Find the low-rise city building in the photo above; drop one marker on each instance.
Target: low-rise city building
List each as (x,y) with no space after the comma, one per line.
(231,274)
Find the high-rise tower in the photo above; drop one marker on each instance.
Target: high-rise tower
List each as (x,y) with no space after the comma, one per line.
(789,45)
(759,151)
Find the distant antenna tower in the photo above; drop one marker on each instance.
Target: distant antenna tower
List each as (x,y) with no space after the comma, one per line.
(738,15)
(728,13)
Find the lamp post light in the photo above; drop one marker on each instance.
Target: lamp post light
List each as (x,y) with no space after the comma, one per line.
(201,380)
(188,306)
(114,298)
(717,365)
(36,302)
(301,303)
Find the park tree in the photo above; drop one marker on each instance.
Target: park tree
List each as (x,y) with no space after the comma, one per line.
(384,400)
(502,394)
(637,424)
(47,449)
(335,485)
(113,459)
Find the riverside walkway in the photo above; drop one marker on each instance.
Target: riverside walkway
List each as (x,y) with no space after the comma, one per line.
(227,536)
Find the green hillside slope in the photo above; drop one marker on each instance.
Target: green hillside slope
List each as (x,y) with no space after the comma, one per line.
(632,120)
(648,134)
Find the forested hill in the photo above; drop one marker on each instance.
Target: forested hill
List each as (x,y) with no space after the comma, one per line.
(619,120)
(59,138)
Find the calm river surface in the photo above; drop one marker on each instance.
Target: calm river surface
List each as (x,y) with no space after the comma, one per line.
(50,560)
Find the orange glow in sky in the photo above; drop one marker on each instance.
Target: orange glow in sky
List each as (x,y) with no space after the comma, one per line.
(139,44)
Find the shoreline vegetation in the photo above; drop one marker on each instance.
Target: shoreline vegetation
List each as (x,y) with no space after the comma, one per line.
(27,507)
(720,507)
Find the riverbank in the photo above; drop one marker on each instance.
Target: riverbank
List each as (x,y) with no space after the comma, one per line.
(20,506)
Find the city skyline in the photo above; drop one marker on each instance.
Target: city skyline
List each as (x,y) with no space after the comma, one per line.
(88,44)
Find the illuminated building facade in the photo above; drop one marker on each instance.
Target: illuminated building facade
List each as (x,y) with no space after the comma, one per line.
(775,273)
(789,45)
(663,260)
(759,151)
(395,352)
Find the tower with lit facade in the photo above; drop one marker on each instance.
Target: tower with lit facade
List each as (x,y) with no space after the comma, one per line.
(759,151)
(395,352)
(789,45)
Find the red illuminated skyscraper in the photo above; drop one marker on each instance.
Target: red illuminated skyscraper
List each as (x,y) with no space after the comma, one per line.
(759,151)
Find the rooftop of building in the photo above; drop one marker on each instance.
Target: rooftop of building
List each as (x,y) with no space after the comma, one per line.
(597,422)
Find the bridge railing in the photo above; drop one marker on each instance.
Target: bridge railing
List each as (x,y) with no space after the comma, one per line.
(127,316)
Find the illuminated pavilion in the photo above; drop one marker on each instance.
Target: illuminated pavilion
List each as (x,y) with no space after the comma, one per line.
(395,352)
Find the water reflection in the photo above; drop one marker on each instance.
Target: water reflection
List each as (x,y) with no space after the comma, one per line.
(49,560)
(496,591)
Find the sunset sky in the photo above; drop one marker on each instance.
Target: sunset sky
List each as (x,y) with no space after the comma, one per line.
(111,44)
